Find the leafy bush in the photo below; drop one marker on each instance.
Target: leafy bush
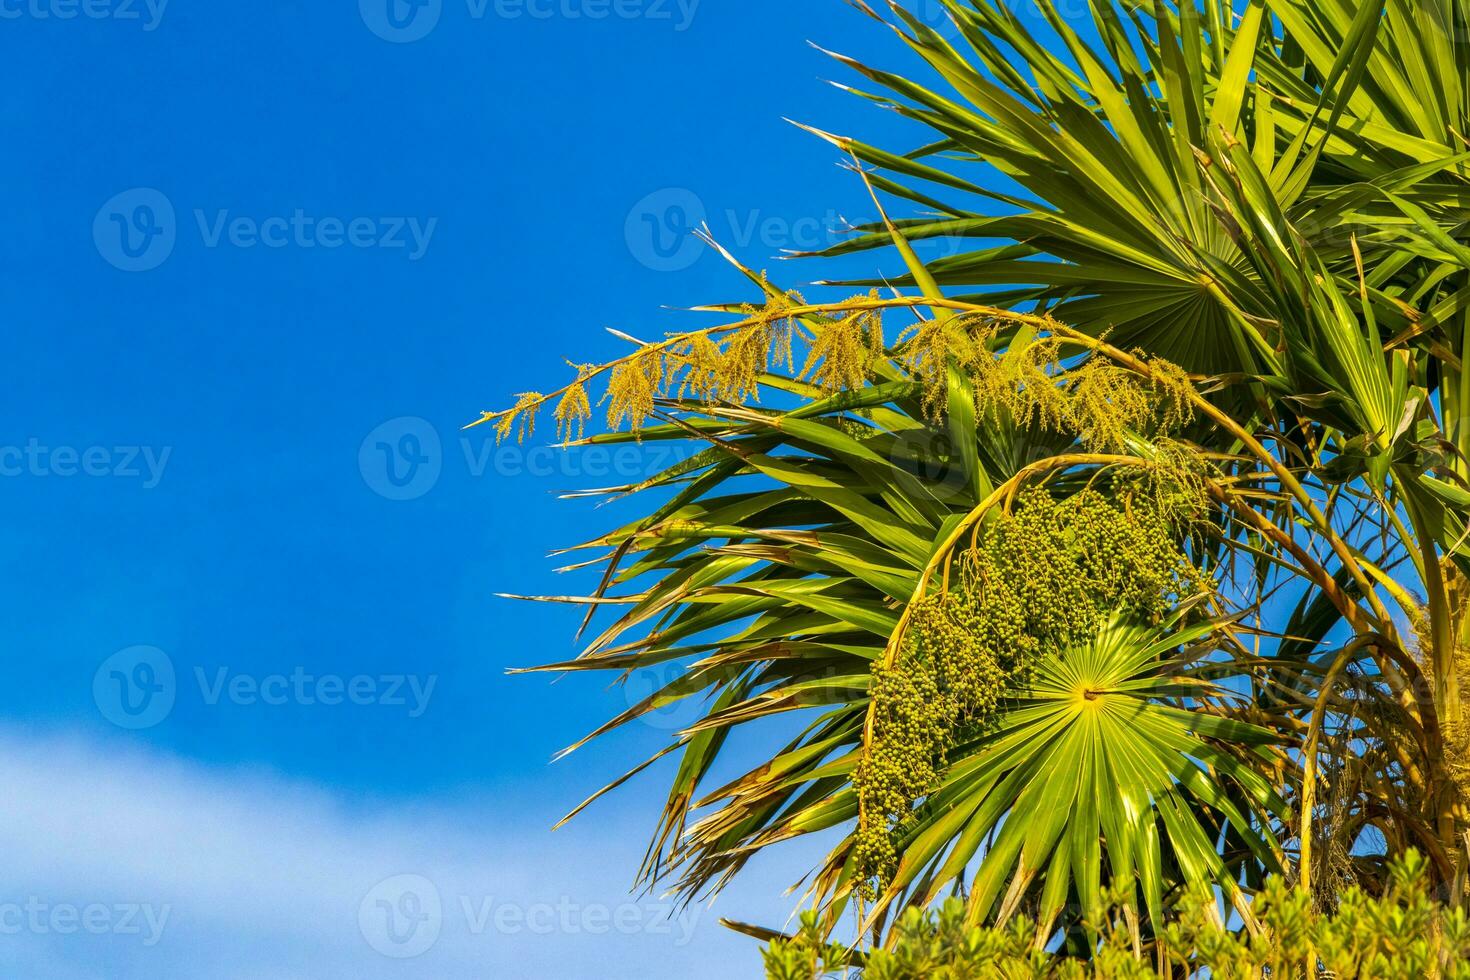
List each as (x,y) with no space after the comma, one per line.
(1402,933)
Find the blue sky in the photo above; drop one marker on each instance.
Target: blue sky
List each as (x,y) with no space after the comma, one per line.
(265,260)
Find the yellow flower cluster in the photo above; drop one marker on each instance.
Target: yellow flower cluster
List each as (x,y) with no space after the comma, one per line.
(1031,382)
(1016,374)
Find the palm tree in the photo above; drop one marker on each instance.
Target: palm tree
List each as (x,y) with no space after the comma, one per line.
(1137,565)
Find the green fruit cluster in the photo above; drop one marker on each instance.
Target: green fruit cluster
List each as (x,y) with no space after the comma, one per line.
(1042,577)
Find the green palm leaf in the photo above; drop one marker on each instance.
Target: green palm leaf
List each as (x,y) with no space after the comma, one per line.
(1097,776)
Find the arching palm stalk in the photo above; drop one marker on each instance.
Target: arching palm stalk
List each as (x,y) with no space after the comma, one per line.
(1237,239)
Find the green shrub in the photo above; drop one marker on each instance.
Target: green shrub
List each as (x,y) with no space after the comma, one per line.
(1402,933)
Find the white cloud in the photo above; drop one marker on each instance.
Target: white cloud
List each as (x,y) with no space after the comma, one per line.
(124,863)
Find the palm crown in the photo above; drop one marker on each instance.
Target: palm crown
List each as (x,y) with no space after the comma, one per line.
(1136,566)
